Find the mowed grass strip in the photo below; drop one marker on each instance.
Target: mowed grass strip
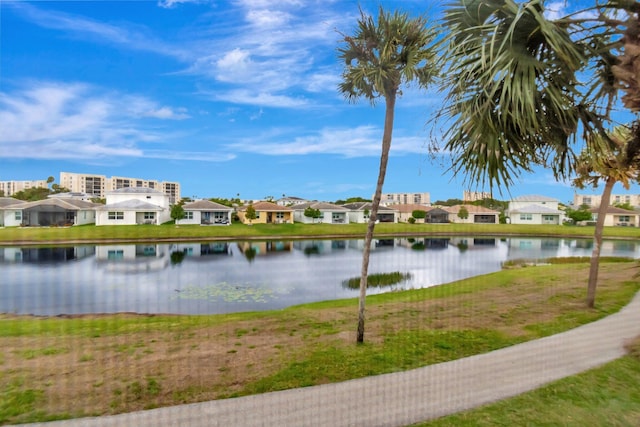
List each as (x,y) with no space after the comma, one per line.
(605,396)
(120,363)
(237,231)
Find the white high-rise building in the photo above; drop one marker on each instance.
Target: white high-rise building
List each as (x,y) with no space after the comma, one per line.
(9,188)
(405,199)
(593,200)
(97,185)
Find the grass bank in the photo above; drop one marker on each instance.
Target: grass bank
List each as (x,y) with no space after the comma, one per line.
(605,396)
(133,233)
(52,368)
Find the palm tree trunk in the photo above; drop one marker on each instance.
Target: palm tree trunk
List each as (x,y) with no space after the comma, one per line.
(384,159)
(595,255)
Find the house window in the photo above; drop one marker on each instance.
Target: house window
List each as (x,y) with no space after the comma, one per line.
(586,201)
(280,215)
(188,215)
(548,218)
(624,218)
(115,254)
(18,215)
(219,215)
(116,215)
(526,217)
(149,215)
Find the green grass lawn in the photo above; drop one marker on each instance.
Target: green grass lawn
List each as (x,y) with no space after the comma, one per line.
(91,233)
(605,396)
(53,367)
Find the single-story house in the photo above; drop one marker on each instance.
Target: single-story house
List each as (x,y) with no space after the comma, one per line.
(205,212)
(360,211)
(618,217)
(134,205)
(10,214)
(535,209)
(437,215)
(49,212)
(330,213)
(267,213)
(405,211)
(290,201)
(476,215)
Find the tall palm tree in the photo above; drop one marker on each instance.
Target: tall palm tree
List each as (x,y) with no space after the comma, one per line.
(379,58)
(614,158)
(524,88)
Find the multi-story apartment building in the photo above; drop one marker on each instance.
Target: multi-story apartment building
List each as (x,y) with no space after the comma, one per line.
(172,189)
(405,199)
(91,185)
(472,196)
(98,185)
(9,188)
(595,199)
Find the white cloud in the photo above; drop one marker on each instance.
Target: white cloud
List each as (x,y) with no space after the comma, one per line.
(362,141)
(170,4)
(264,18)
(86,29)
(263,99)
(78,121)
(168,113)
(267,47)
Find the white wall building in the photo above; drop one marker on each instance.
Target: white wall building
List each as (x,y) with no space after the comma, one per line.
(593,200)
(405,199)
(98,185)
(130,206)
(9,188)
(535,209)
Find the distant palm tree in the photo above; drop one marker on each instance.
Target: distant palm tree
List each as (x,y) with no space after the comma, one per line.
(614,158)
(379,58)
(523,88)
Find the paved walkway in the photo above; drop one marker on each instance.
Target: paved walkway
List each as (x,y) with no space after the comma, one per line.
(403,398)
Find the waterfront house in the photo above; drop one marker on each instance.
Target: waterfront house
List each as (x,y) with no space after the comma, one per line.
(10,213)
(48,212)
(330,213)
(476,215)
(534,209)
(618,217)
(206,212)
(360,211)
(134,205)
(267,213)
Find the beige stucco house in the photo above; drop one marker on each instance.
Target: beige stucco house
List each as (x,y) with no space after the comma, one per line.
(267,213)
(618,217)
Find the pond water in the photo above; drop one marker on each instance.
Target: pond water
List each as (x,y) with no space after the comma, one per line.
(224,277)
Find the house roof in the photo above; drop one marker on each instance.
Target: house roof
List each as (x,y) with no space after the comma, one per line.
(616,211)
(267,206)
(537,209)
(534,198)
(205,205)
(68,204)
(135,190)
(292,198)
(472,209)
(8,201)
(360,206)
(130,205)
(323,206)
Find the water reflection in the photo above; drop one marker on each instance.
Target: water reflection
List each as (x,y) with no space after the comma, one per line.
(221,277)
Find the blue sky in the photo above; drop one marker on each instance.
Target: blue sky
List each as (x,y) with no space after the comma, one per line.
(226,97)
